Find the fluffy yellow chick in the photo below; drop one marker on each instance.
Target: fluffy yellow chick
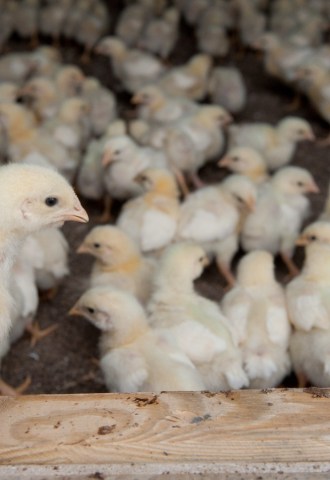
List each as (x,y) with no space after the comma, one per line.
(161,33)
(226,87)
(309,308)
(155,105)
(151,219)
(118,261)
(276,144)
(246,161)
(211,216)
(36,198)
(41,95)
(134,358)
(284,201)
(258,320)
(189,80)
(195,323)
(133,67)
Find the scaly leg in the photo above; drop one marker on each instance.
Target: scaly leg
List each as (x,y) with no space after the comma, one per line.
(227,274)
(106,215)
(37,333)
(290,265)
(197,182)
(6,389)
(181,182)
(302,379)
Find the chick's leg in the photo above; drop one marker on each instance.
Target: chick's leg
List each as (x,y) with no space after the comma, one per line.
(106,215)
(6,389)
(37,333)
(181,181)
(225,271)
(301,379)
(196,181)
(290,265)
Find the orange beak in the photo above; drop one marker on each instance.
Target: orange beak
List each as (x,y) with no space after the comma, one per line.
(77,214)
(224,162)
(74,310)
(82,249)
(107,158)
(301,241)
(313,188)
(136,99)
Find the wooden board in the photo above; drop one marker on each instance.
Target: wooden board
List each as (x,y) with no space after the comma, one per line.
(242,434)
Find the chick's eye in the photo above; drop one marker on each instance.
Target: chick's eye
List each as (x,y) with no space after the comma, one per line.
(201,259)
(51,201)
(313,238)
(300,184)
(235,159)
(90,310)
(96,245)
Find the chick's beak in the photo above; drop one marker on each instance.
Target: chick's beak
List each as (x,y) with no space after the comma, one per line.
(107,158)
(75,310)
(136,99)
(206,262)
(82,248)
(313,188)
(76,214)
(309,136)
(301,241)
(224,161)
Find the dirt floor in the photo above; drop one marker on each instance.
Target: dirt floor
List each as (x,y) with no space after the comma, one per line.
(64,362)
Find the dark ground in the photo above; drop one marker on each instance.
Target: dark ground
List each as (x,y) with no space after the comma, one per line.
(64,362)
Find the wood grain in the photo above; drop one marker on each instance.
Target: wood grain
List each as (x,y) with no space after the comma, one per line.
(145,435)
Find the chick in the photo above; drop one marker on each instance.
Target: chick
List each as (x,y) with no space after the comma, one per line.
(41,96)
(102,103)
(309,308)
(118,262)
(133,67)
(258,320)
(26,20)
(133,357)
(155,105)
(276,144)
(212,215)
(7,20)
(16,67)
(246,161)
(283,200)
(74,16)
(92,27)
(36,198)
(160,34)
(69,80)
(52,17)
(188,80)
(8,92)
(195,323)
(151,219)
(226,87)
(211,32)
(130,23)
(193,9)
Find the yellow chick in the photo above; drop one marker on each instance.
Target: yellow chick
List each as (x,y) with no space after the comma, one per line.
(276,144)
(283,200)
(151,219)
(155,105)
(118,262)
(160,34)
(258,320)
(309,308)
(133,67)
(212,215)
(226,87)
(245,161)
(36,198)
(195,323)
(133,357)
(189,80)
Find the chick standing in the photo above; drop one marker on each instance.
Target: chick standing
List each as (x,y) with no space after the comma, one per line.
(118,262)
(258,320)
(309,308)
(194,322)
(134,358)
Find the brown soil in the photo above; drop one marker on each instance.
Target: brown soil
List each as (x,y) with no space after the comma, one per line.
(65,361)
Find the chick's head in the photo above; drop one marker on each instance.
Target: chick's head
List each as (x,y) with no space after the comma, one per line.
(111,46)
(70,80)
(294,181)
(241,190)
(109,244)
(213,116)
(150,95)
(158,180)
(74,109)
(244,160)
(315,233)
(34,197)
(296,129)
(38,88)
(111,310)
(117,149)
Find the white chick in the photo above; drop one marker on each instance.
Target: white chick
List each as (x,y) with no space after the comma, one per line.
(283,200)
(133,67)
(189,80)
(195,323)
(52,17)
(92,27)
(160,34)
(151,219)
(103,105)
(69,80)
(89,182)
(131,22)
(8,92)
(226,87)
(26,20)
(276,144)
(74,17)
(309,308)
(41,96)
(211,32)
(155,105)
(211,216)
(36,198)
(133,357)
(246,161)
(16,67)
(258,320)
(118,262)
